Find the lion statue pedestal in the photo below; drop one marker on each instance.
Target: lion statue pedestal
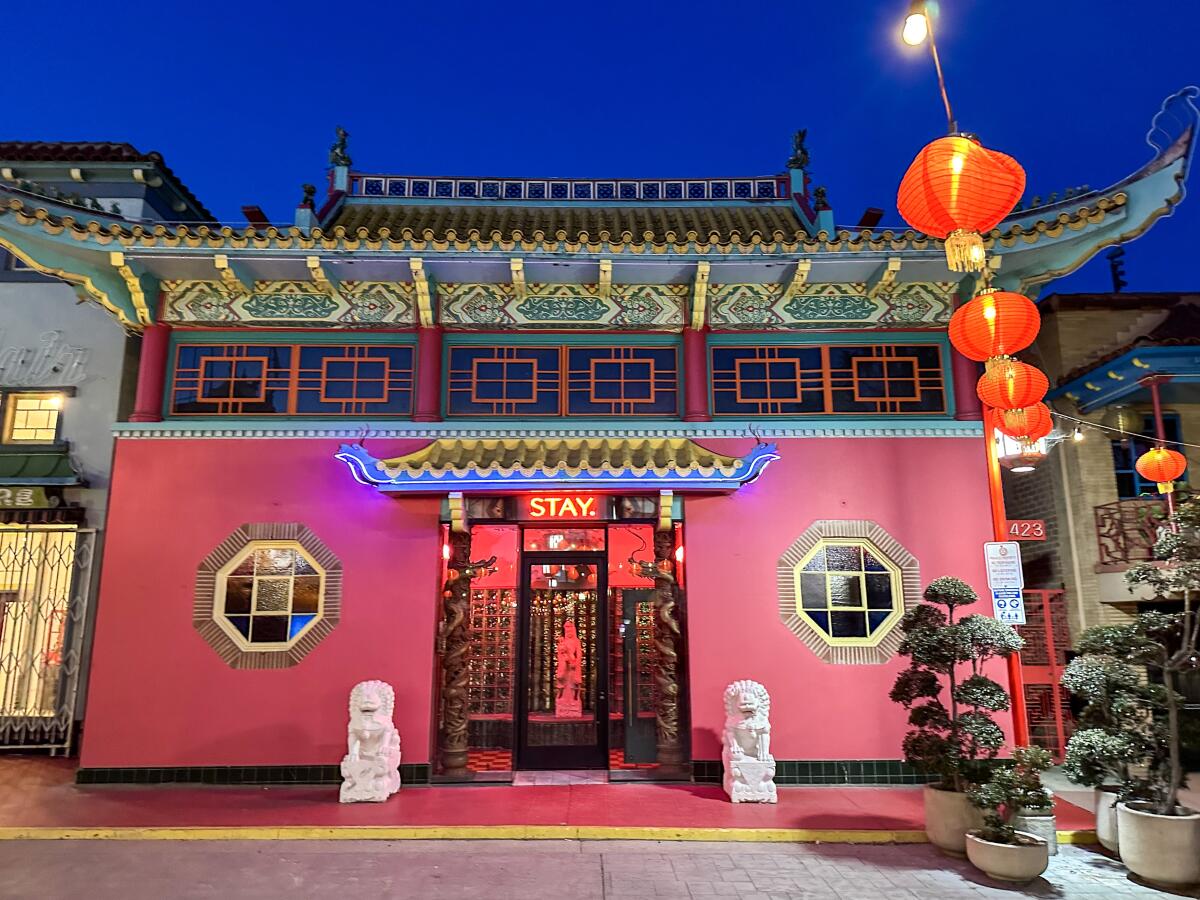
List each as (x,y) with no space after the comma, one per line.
(371,768)
(746,751)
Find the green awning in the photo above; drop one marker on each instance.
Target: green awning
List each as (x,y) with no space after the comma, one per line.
(38,467)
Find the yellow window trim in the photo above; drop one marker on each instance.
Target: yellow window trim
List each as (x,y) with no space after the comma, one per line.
(222,620)
(884,627)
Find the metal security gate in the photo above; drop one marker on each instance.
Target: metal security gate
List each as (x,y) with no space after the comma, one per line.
(45,580)
(1047,639)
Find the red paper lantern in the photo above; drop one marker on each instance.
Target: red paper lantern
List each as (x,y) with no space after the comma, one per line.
(1162,466)
(958,190)
(1028,424)
(1008,384)
(996,323)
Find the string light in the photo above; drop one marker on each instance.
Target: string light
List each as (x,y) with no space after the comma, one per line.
(1077,434)
(1079,425)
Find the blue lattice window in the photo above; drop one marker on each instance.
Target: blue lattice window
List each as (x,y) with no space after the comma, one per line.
(622,381)
(503,381)
(562,381)
(291,379)
(811,379)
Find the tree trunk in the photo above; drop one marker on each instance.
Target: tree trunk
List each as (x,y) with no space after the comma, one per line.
(1173,743)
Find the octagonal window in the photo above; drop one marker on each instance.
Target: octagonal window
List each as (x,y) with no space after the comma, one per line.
(848,590)
(269,595)
(844,585)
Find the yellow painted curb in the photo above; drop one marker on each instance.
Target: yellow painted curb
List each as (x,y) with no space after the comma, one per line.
(487,832)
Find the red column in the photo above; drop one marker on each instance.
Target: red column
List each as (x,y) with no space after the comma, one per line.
(695,376)
(152,374)
(428,402)
(965,373)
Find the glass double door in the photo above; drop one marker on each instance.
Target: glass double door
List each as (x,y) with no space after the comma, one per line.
(562,662)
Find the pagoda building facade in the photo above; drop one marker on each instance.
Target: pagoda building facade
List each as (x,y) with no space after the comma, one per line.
(557,458)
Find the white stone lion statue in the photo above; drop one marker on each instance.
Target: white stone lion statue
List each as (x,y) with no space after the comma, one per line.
(371,767)
(746,751)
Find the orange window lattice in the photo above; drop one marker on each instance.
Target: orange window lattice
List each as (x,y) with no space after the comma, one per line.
(292,379)
(562,381)
(806,379)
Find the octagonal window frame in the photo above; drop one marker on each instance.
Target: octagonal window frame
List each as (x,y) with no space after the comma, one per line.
(221,615)
(882,644)
(209,615)
(895,588)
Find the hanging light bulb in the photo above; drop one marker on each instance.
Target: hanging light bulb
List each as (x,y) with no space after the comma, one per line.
(1077,434)
(916,26)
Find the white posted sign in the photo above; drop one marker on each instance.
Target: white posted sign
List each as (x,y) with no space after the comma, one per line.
(1003,560)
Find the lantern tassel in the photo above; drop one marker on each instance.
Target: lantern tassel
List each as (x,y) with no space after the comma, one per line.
(964,251)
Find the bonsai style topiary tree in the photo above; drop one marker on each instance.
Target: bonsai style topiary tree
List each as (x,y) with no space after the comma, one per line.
(1011,789)
(1119,733)
(955,742)
(1166,643)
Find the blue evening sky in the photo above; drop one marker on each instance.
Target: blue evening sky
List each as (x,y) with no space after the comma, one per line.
(242,98)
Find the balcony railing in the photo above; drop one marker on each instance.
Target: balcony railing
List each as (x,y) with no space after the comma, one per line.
(1127,530)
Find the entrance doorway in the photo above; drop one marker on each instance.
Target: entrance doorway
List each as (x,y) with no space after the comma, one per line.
(563,670)
(562,683)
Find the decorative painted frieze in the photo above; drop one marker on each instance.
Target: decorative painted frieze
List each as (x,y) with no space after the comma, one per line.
(355,303)
(840,305)
(658,307)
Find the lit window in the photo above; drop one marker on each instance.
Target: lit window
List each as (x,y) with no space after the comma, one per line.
(31,418)
(844,585)
(267,595)
(848,591)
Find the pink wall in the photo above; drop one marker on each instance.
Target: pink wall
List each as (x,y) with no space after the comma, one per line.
(929,493)
(160,696)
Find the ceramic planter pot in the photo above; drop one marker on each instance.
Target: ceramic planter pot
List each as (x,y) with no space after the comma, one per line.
(1163,850)
(949,815)
(1040,824)
(1019,862)
(1106,818)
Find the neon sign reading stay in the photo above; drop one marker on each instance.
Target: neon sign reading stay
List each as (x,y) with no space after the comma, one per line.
(562,506)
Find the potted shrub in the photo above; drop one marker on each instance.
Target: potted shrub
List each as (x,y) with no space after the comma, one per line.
(1119,739)
(1159,839)
(950,704)
(999,849)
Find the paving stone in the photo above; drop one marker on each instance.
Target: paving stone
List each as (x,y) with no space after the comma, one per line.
(532,870)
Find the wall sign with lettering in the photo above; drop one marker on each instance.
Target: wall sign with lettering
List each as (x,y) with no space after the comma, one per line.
(562,506)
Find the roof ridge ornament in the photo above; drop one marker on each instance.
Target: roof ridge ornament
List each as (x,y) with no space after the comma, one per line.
(799,157)
(337,153)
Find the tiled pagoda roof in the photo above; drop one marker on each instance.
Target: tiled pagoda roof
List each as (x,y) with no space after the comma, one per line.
(91,152)
(719,224)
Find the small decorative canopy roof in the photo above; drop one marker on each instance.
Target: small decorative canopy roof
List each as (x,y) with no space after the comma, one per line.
(539,463)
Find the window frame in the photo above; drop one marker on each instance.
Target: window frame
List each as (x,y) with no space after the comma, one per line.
(221,616)
(8,412)
(825,384)
(208,613)
(878,648)
(896,583)
(295,379)
(1146,437)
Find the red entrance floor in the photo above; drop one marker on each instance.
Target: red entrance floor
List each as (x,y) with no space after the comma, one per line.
(38,798)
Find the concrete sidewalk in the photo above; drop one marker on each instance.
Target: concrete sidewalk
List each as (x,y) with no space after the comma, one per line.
(533,870)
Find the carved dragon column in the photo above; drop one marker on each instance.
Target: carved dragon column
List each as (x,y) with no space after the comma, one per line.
(667,641)
(454,639)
